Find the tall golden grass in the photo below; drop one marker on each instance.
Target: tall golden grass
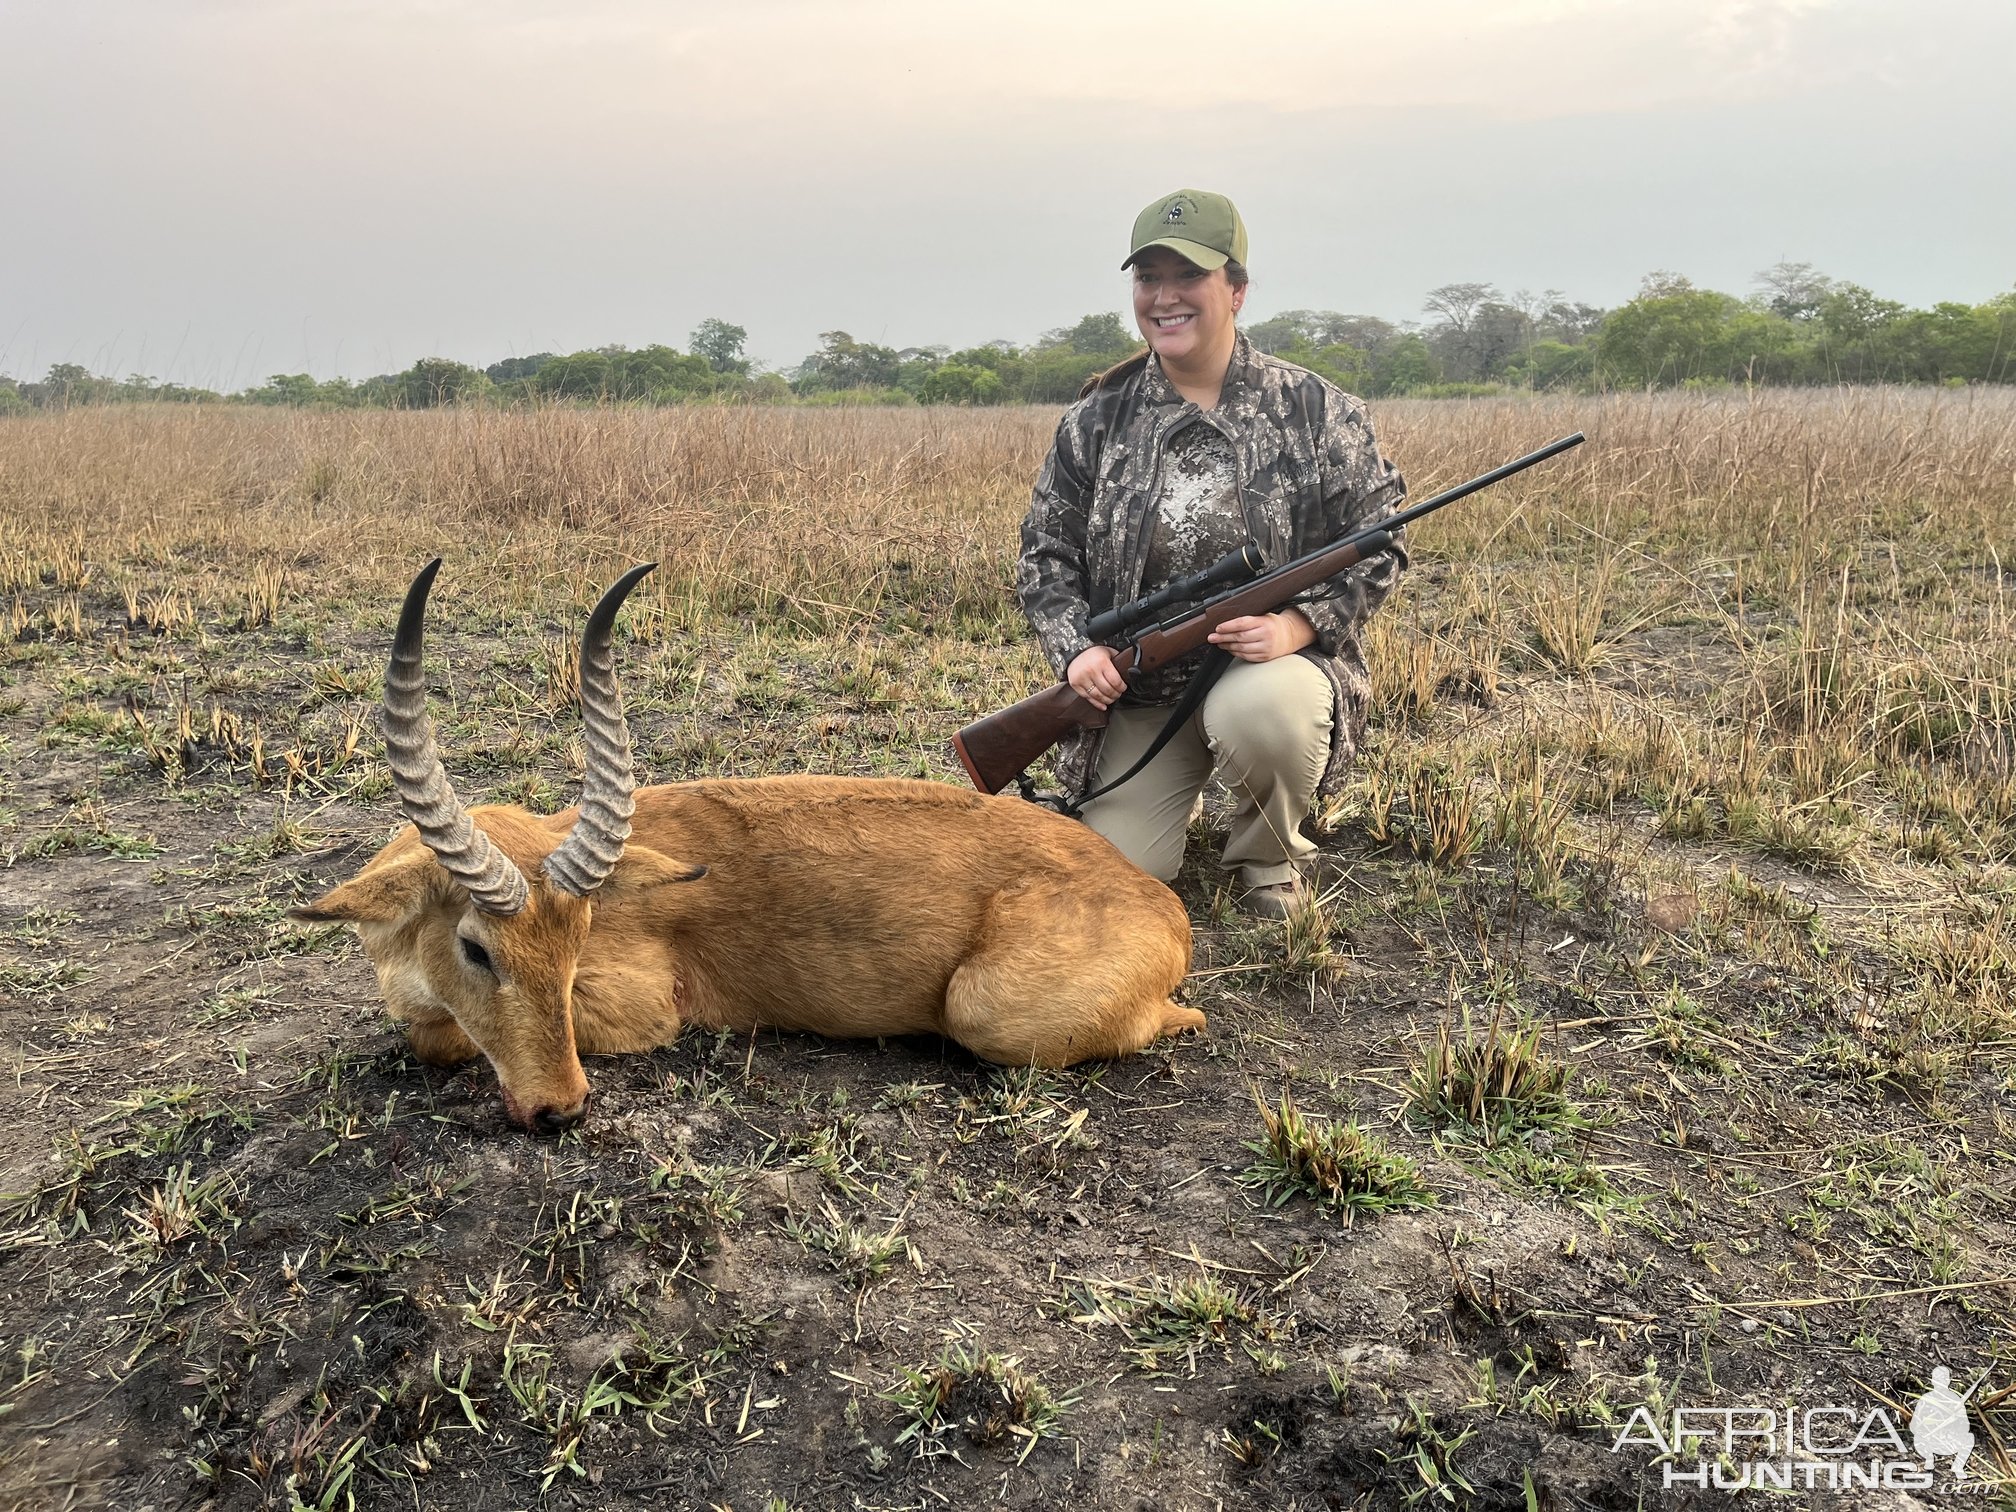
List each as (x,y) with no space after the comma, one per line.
(862,508)
(836,511)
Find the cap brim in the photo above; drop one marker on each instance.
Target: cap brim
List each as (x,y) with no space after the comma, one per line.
(1207,258)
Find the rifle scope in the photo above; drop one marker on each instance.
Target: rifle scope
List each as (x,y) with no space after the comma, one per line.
(1240,565)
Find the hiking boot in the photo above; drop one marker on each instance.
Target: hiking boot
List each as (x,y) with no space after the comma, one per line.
(1273,900)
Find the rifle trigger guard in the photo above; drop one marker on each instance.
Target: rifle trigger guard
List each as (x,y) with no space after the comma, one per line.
(1057,803)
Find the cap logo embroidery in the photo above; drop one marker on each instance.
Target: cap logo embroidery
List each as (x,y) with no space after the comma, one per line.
(1174,216)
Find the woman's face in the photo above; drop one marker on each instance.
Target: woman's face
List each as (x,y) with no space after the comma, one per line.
(1184,312)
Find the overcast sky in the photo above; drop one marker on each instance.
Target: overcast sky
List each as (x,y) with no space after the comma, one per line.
(217,190)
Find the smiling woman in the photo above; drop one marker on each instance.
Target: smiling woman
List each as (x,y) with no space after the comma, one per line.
(1165,464)
(1186,313)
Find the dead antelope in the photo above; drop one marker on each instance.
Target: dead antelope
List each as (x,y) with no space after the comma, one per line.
(843,906)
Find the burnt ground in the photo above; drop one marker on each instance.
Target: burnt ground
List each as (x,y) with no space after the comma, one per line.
(255,1256)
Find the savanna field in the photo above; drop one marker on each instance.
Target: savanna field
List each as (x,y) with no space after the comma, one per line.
(1650,1042)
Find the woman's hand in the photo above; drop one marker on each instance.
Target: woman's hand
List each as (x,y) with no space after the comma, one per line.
(1263,637)
(1093,677)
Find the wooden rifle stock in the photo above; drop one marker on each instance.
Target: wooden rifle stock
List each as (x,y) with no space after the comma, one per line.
(998,749)
(995,750)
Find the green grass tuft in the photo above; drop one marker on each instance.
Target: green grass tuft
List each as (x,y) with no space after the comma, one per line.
(1498,1082)
(1335,1163)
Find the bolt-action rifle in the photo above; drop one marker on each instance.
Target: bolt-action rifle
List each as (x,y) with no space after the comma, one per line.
(997,750)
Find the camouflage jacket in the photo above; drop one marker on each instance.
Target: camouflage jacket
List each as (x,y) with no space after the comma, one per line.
(1309,474)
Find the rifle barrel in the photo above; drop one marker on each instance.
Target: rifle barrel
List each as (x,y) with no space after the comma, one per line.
(1384,528)
(1464,490)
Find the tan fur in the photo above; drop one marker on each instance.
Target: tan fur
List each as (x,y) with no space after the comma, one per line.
(840,906)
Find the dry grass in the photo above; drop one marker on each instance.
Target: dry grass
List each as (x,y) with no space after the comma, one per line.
(820,518)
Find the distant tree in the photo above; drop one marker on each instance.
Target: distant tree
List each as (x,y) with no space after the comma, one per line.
(1498,333)
(1660,283)
(1093,336)
(285,388)
(1405,365)
(1010,367)
(1278,333)
(576,375)
(994,356)
(1055,376)
(1669,335)
(914,365)
(664,373)
(1316,329)
(514,369)
(1368,333)
(1997,319)
(1848,312)
(615,374)
(1956,341)
(956,383)
(11,400)
(1556,365)
(1476,333)
(162,392)
(720,345)
(435,381)
(1551,316)
(1859,335)
(1567,322)
(67,383)
(1349,367)
(1793,290)
(1457,304)
(844,363)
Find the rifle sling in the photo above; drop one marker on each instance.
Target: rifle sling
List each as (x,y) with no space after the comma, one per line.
(1216,660)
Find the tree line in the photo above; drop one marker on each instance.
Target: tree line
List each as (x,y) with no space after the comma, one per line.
(1798,327)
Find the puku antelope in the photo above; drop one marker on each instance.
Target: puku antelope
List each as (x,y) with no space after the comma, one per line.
(844,906)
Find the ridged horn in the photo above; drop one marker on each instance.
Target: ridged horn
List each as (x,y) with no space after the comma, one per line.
(595,844)
(492,880)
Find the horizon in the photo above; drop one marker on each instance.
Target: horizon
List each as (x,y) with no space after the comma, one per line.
(758,365)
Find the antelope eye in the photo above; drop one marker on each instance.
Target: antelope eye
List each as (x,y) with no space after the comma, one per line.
(476,955)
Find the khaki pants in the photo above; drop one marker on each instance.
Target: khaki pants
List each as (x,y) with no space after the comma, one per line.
(1267,726)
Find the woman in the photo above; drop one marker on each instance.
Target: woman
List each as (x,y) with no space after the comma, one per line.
(1165,463)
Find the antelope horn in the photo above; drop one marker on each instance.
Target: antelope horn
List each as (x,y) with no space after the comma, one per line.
(492,880)
(592,848)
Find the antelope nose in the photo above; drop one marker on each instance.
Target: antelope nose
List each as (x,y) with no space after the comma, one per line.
(553,1121)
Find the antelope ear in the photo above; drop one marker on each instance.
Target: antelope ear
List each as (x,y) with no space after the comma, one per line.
(377,895)
(642,867)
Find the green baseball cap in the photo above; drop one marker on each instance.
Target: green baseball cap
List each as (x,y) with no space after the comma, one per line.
(1202,227)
